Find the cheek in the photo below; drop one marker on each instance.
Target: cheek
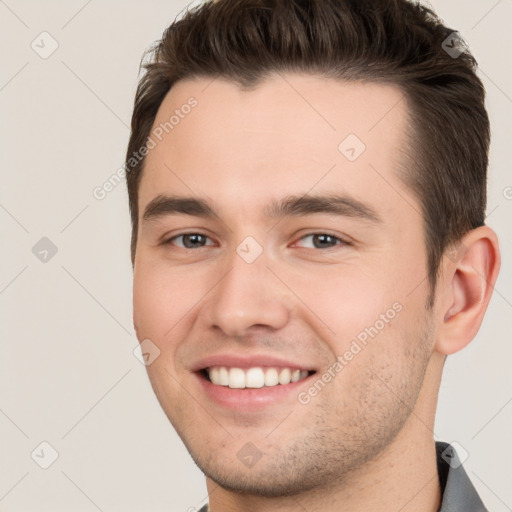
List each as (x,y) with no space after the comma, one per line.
(159,311)
(347,300)
(372,319)
(159,301)
(149,299)
(166,302)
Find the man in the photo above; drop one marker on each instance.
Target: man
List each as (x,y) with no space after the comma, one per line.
(307,191)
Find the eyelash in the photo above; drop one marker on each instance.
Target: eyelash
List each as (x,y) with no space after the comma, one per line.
(343,242)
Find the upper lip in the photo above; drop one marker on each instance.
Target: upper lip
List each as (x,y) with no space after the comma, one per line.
(246,361)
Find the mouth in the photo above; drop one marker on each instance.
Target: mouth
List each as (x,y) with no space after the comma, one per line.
(251,389)
(250,382)
(256,377)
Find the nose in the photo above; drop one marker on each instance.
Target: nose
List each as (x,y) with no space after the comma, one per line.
(247,298)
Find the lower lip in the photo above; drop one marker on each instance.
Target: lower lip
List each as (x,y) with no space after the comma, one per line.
(250,399)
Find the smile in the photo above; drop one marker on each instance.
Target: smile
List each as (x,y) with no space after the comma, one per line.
(255,377)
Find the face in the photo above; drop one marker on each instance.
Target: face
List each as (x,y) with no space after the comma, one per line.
(281,273)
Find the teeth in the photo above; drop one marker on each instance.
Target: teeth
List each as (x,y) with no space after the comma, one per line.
(295,376)
(223,376)
(257,377)
(214,375)
(236,378)
(254,378)
(271,377)
(285,376)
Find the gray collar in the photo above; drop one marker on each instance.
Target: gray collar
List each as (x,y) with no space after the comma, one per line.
(459,495)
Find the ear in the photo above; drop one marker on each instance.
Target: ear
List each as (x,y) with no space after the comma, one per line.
(470,272)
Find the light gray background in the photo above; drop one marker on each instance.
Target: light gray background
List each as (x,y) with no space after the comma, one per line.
(68,375)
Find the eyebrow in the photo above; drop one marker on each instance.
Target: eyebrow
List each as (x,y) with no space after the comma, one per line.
(296,206)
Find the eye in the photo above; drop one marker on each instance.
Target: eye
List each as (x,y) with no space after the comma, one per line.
(199,240)
(189,240)
(324,240)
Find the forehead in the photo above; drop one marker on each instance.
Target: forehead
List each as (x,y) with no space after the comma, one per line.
(291,132)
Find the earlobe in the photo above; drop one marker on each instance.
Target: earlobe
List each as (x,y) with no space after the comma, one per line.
(468,285)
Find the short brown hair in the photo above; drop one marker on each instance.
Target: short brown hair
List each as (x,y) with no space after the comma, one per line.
(387,41)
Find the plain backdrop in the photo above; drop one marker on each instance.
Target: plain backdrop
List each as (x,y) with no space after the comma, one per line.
(68,374)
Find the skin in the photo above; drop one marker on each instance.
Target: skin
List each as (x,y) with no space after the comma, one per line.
(357,443)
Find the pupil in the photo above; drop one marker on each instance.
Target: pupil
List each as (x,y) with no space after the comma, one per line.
(323,239)
(193,238)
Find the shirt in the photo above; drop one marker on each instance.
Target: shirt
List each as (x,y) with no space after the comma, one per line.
(458,493)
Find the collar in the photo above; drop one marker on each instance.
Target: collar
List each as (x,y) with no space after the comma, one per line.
(459,494)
